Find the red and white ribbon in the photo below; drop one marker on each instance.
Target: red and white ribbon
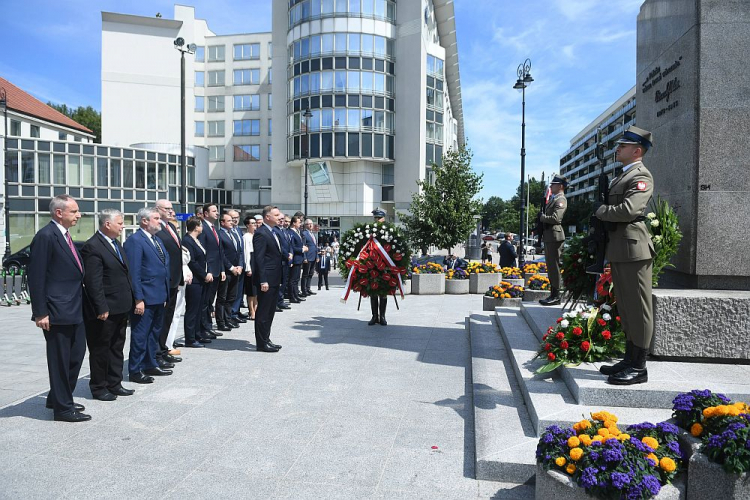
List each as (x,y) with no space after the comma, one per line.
(366,249)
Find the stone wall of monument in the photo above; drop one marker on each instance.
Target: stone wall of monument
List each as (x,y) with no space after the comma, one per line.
(693,94)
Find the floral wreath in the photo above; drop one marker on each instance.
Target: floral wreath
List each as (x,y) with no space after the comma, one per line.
(373,258)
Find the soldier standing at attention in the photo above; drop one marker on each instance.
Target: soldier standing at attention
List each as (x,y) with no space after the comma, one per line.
(631,253)
(554,236)
(378,304)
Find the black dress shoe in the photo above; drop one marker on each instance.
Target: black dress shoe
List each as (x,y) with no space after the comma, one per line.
(234,324)
(303,295)
(266,348)
(275,346)
(629,376)
(76,406)
(107,396)
(242,316)
(373,321)
(177,344)
(278,309)
(171,359)
(73,416)
(223,328)
(157,372)
(284,306)
(310,292)
(140,378)
(239,320)
(210,332)
(164,364)
(296,301)
(196,344)
(121,391)
(204,341)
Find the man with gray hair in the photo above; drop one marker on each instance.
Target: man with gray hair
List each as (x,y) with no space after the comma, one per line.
(56,287)
(110,301)
(149,270)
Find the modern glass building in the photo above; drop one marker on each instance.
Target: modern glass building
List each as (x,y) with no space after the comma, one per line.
(579,163)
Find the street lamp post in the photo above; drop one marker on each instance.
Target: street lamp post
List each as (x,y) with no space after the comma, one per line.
(6,209)
(524,80)
(179,43)
(307,116)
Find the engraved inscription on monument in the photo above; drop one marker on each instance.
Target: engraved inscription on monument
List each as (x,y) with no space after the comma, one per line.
(655,76)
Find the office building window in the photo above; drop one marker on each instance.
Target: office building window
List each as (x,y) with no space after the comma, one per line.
(247,102)
(200,54)
(199,79)
(270,100)
(270,151)
(270,75)
(199,103)
(269,126)
(252,184)
(215,78)
(216,153)
(60,135)
(216,53)
(199,129)
(250,152)
(15,128)
(215,103)
(246,76)
(35,132)
(246,51)
(216,128)
(246,127)
(270,50)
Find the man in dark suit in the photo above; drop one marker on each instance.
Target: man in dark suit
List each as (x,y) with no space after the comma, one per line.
(110,300)
(227,293)
(323,266)
(171,242)
(311,257)
(56,289)
(282,232)
(297,250)
(453,262)
(507,251)
(149,270)
(209,238)
(267,265)
(237,315)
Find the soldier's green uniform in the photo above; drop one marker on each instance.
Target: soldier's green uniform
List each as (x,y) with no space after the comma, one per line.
(553,238)
(630,253)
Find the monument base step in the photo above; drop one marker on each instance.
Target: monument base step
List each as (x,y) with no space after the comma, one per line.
(666,378)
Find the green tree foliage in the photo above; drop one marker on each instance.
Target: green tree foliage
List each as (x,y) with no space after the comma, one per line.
(502,215)
(442,214)
(88,117)
(577,214)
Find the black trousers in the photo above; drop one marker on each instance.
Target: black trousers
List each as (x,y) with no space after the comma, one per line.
(264,314)
(227,293)
(193,309)
(285,272)
(295,273)
(322,276)
(207,300)
(168,317)
(66,347)
(308,269)
(106,340)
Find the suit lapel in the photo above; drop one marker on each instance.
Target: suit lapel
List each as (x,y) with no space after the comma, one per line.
(66,249)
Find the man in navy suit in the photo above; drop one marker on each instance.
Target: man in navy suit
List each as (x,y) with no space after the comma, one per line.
(149,269)
(209,238)
(56,287)
(323,266)
(110,300)
(237,316)
(282,232)
(297,250)
(171,243)
(311,258)
(267,265)
(231,251)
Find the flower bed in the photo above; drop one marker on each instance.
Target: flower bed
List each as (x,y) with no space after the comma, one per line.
(502,295)
(456,274)
(609,463)
(512,273)
(428,284)
(429,268)
(478,268)
(535,268)
(456,287)
(578,336)
(537,282)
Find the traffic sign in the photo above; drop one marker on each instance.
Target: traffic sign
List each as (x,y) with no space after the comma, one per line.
(182,217)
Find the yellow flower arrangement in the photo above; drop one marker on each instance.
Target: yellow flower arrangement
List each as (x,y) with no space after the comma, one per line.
(603,432)
(576,454)
(623,437)
(667,464)
(654,459)
(585,439)
(581,426)
(721,411)
(696,430)
(597,438)
(743,407)
(604,416)
(570,469)
(613,430)
(651,442)
(573,441)
(560,461)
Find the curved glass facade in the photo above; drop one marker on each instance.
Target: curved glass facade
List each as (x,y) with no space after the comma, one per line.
(305,10)
(347,81)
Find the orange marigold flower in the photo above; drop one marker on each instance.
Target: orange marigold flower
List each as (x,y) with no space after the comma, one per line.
(654,459)
(573,441)
(603,432)
(667,464)
(570,469)
(585,439)
(696,430)
(651,442)
(576,454)
(560,461)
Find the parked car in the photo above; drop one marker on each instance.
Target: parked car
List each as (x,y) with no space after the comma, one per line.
(20,259)
(420,261)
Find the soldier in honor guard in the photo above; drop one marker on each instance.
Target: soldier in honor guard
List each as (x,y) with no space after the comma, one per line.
(378,304)
(631,253)
(554,236)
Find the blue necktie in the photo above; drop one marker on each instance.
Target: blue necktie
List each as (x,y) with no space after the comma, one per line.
(161,252)
(117,250)
(323,262)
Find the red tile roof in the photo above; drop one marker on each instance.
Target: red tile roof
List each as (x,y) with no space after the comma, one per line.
(25,103)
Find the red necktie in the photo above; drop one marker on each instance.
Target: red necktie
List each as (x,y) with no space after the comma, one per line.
(73,249)
(215,235)
(174,236)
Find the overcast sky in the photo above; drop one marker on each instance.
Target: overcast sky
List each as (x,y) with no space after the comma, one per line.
(582,53)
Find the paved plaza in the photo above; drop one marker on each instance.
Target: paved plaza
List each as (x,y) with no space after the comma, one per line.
(343,411)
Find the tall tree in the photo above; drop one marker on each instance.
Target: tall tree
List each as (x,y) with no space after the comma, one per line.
(88,117)
(442,213)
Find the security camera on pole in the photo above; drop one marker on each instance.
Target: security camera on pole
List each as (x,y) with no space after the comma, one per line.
(179,43)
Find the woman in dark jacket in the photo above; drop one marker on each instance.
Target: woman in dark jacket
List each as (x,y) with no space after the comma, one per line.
(194,291)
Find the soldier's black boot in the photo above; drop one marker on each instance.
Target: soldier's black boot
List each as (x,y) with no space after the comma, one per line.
(553,299)
(383,305)
(374,308)
(635,373)
(620,365)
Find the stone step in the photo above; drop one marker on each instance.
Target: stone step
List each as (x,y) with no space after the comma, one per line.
(666,378)
(547,396)
(505,437)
